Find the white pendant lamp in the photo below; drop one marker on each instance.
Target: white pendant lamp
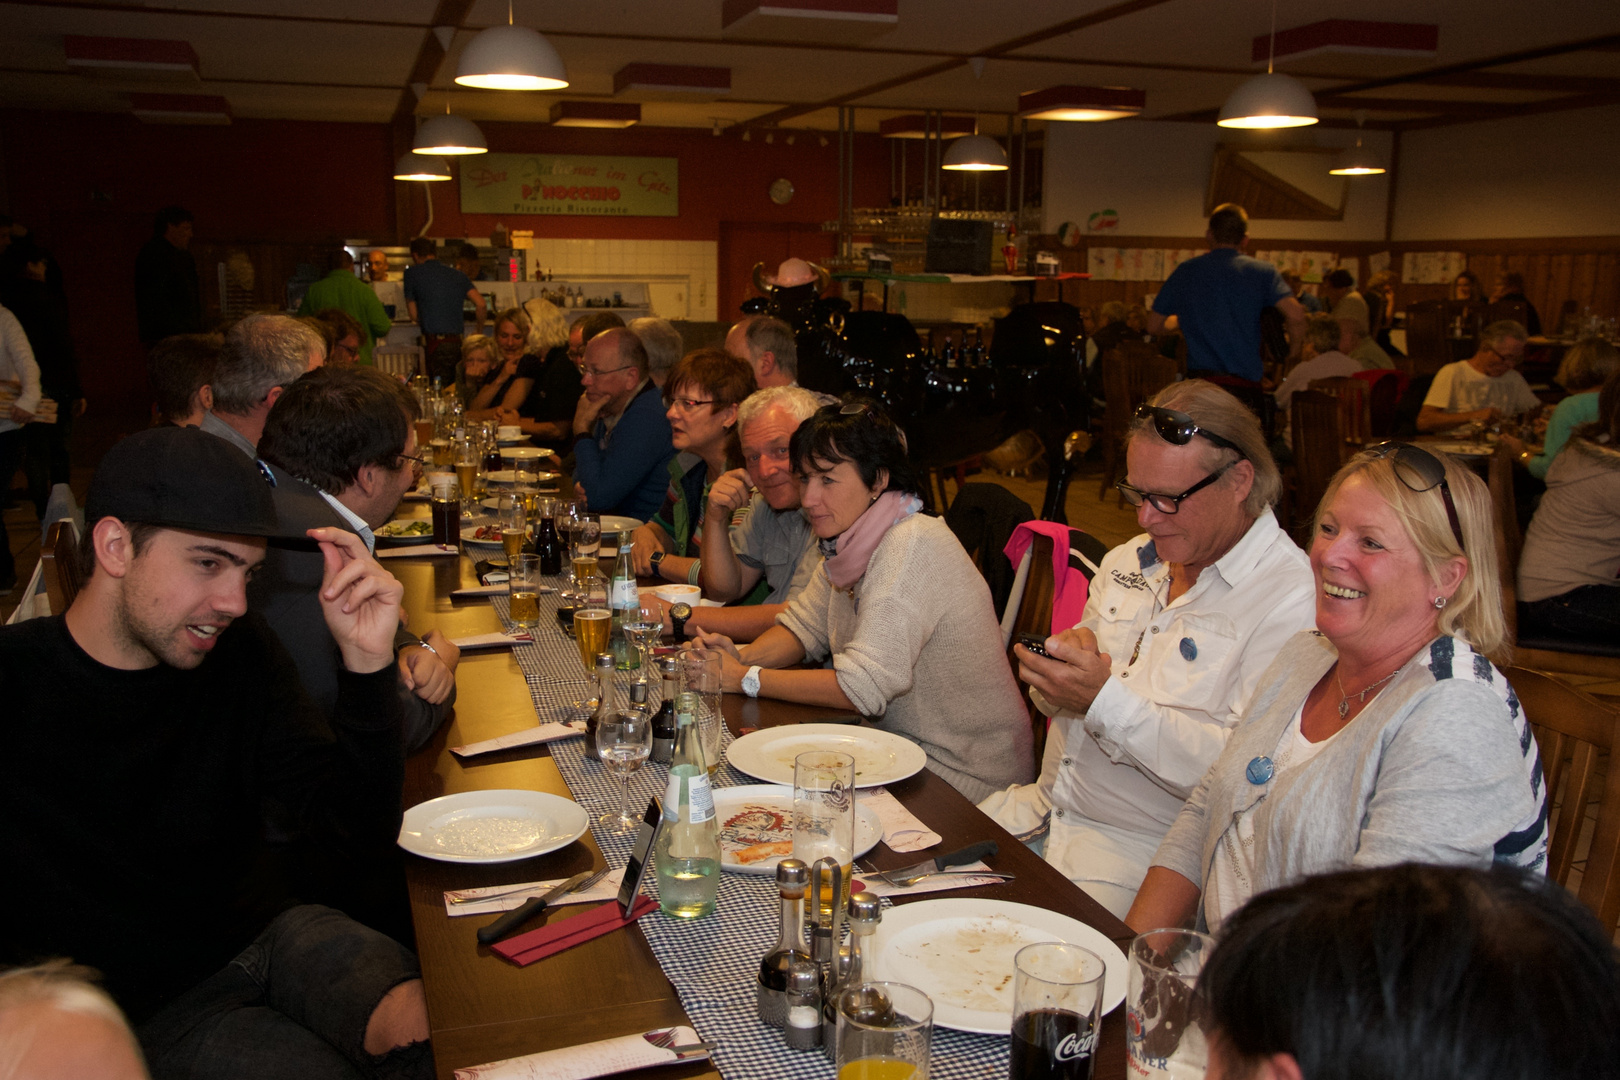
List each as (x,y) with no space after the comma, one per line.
(449,134)
(1272,100)
(975,153)
(511,57)
(1357,160)
(414,166)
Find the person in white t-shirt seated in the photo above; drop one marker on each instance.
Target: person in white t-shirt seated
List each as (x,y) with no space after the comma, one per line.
(1323,360)
(1485,387)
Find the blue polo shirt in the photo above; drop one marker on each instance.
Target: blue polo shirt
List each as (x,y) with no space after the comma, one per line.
(1218,298)
(438,291)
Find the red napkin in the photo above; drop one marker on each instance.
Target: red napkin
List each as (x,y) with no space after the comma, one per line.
(525,949)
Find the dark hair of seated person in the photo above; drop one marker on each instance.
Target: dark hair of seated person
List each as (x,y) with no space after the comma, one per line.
(177,368)
(334,421)
(1417,972)
(859,432)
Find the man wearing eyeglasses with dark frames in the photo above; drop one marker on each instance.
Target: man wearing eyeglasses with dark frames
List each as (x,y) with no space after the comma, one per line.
(622,441)
(1179,624)
(1483,389)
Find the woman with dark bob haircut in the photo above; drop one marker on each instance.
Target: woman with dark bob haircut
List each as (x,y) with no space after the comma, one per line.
(898,607)
(1414,972)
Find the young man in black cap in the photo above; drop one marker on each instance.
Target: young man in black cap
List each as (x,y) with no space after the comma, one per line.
(157,730)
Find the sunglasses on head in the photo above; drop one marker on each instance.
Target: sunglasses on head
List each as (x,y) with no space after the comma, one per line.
(1420,470)
(1177,428)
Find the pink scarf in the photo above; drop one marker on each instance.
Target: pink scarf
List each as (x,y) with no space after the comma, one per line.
(852,549)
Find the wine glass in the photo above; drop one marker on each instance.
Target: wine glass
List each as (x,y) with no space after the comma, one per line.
(623,740)
(644,625)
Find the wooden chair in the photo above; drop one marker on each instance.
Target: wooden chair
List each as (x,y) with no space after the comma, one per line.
(1313,422)
(1572,731)
(1572,658)
(1355,421)
(1383,395)
(402,361)
(1034,617)
(59,556)
(1132,373)
(1426,343)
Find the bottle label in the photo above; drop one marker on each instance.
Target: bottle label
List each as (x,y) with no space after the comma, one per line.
(672,798)
(625,595)
(701,797)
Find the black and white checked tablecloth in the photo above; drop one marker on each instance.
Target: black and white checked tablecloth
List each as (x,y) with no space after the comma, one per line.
(711,961)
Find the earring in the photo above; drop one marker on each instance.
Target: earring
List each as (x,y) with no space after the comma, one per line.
(1439,602)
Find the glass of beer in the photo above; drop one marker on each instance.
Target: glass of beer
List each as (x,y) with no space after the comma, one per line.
(523,590)
(443,453)
(514,526)
(824,821)
(593,626)
(424,430)
(1057,1012)
(467,462)
(885,1032)
(445,507)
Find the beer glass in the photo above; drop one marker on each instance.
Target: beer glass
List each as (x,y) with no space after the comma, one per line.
(1057,1012)
(824,821)
(884,1032)
(514,527)
(1165,1025)
(523,590)
(445,508)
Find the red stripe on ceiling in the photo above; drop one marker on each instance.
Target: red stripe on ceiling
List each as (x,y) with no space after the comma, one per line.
(671,76)
(114,50)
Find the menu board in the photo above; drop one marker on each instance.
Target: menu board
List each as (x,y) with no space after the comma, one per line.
(570,184)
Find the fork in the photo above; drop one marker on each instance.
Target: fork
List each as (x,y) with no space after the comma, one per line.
(588,883)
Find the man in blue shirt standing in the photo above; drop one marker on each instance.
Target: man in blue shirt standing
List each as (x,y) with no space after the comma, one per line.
(434,292)
(1215,300)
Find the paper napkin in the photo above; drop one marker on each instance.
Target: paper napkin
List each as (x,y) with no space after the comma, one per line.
(528,737)
(525,949)
(603,1058)
(902,830)
(606,889)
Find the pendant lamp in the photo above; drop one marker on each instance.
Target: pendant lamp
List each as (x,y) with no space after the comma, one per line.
(511,57)
(1272,100)
(1356,160)
(975,153)
(449,134)
(414,166)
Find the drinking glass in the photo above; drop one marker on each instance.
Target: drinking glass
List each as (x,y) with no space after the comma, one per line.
(623,740)
(1165,1025)
(587,536)
(467,463)
(700,674)
(445,508)
(644,625)
(824,821)
(523,590)
(514,527)
(593,623)
(1057,1012)
(884,1032)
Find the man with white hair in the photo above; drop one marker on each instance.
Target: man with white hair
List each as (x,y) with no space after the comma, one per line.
(1484,388)
(56,1024)
(663,343)
(261,357)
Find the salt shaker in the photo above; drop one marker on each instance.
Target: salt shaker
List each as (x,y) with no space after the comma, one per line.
(803,1028)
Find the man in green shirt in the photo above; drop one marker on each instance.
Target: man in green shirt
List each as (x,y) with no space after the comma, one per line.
(342,290)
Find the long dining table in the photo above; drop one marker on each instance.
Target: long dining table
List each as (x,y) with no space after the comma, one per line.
(482,1008)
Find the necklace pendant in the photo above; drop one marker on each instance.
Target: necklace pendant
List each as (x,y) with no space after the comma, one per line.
(1344,708)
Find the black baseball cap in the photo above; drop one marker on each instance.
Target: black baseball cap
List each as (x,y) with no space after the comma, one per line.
(183,478)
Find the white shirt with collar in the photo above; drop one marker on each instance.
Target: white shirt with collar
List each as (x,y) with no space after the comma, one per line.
(354,519)
(1114,779)
(17,366)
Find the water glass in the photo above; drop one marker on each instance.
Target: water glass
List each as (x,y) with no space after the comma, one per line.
(824,822)
(623,741)
(1057,1011)
(1165,1026)
(885,1031)
(700,675)
(523,590)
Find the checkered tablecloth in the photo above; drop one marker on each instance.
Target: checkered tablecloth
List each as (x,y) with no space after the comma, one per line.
(711,961)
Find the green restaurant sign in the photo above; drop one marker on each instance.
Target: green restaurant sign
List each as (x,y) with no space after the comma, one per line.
(571,185)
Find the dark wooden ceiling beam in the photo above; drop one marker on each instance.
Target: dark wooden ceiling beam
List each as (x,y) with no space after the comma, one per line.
(1445,106)
(1523,55)
(1557,84)
(1535,108)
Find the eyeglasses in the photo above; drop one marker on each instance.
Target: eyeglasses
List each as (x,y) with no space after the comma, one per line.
(595,373)
(686,404)
(1169,504)
(1177,428)
(1420,470)
(418,463)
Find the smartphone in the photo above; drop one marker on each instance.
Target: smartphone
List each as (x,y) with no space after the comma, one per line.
(640,855)
(1035,643)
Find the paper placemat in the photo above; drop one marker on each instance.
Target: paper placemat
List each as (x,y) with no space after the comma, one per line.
(532,737)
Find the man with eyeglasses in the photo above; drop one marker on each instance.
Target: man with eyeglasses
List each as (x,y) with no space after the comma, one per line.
(1483,389)
(1179,624)
(622,442)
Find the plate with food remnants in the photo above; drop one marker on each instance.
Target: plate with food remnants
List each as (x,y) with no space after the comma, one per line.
(756,827)
(404,531)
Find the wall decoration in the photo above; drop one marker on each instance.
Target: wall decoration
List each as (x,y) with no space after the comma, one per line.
(571,184)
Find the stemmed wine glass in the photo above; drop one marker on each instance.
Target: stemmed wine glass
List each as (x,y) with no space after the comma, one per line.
(644,625)
(624,740)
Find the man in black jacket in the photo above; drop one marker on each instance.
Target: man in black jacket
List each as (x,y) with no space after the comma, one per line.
(156,728)
(167,297)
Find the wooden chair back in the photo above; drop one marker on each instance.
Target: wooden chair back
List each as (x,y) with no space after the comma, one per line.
(1573,732)
(1313,422)
(60,558)
(1384,390)
(1132,373)
(402,361)
(1034,617)
(1426,342)
(1517,310)
(1355,419)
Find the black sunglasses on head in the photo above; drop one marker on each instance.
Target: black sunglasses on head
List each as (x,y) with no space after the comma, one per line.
(1177,428)
(1420,470)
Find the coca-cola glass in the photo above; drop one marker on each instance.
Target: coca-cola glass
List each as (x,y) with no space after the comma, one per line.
(1057,1012)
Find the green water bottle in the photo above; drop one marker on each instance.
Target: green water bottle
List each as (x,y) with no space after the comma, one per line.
(688,848)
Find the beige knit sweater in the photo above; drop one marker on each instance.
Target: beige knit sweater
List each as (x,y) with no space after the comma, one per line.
(917,647)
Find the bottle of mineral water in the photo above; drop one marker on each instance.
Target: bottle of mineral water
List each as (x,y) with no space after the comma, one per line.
(688,848)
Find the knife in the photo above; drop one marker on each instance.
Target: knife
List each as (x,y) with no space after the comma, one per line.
(911,874)
(503,926)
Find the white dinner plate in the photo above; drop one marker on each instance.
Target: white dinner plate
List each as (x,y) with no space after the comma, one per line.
(468,537)
(880,757)
(763,814)
(388,538)
(962,950)
(495,826)
(1459,449)
(507,477)
(523,453)
(619,523)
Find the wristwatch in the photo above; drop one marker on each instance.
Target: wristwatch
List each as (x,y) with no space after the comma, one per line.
(657,557)
(678,614)
(750,681)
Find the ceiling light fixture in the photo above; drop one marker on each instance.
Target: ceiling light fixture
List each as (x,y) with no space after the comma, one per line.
(975,153)
(1272,100)
(511,57)
(918,126)
(414,166)
(449,134)
(595,114)
(1357,160)
(1081,103)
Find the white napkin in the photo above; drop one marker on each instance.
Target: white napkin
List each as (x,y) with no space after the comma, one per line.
(474,591)
(530,737)
(902,830)
(606,889)
(491,641)
(584,1062)
(415,551)
(878,887)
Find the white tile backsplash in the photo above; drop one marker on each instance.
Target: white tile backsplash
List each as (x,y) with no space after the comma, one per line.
(696,260)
